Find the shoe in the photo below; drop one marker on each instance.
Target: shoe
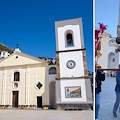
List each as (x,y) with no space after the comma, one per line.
(114,114)
(119,109)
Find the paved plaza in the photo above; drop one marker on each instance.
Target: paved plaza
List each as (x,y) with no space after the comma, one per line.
(108,99)
(17,114)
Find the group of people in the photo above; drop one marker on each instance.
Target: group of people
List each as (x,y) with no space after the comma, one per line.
(99,77)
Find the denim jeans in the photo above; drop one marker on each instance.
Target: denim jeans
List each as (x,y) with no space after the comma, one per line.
(116,105)
(97,104)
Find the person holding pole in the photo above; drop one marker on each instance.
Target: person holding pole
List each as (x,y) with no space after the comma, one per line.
(117,89)
(99,77)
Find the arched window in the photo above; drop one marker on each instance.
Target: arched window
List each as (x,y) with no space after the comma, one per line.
(69,38)
(112,42)
(52,70)
(16,76)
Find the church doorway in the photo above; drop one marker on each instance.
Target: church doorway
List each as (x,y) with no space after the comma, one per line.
(15,99)
(111,62)
(52,91)
(39,102)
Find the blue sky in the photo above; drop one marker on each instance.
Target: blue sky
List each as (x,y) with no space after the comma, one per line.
(31,24)
(106,11)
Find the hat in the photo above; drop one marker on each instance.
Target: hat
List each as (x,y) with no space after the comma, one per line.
(98,65)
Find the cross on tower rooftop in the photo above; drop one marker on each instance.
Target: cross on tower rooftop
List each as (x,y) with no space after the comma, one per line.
(17,45)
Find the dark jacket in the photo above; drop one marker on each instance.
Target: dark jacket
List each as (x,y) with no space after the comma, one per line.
(99,78)
(117,88)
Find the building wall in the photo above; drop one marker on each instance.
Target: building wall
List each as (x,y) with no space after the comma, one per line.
(52,77)
(52,88)
(21,60)
(73,25)
(76,56)
(73,83)
(35,75)
(72,77)
(1,83)
(30,75)
(106,49)
(76,37)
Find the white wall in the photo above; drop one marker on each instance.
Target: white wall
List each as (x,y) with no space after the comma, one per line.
(52,77)
(105,50)
(76,37)
(4,54)
(76,56)
(72,83)
(58,91)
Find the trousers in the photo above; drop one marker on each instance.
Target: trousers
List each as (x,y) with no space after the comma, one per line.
(116,105)
(97,104)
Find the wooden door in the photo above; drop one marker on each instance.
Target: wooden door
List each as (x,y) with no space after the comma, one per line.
(39,102)
(15,99)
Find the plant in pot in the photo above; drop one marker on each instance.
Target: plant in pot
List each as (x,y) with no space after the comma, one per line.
(1,106)
(20,106)
(32,106)
(7,107)
(25,106)
(45,107)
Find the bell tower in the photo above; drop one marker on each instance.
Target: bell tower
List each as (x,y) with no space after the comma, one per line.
(73,87)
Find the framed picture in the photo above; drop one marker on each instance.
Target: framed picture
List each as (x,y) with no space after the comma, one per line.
(73,92)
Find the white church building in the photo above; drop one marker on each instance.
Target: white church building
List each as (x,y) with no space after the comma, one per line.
(61,83)
(109,58)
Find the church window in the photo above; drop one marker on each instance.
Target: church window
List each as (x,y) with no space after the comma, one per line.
(39,85)
(15,85)
(69,38)
(112,43)
(52,70)
(16,76)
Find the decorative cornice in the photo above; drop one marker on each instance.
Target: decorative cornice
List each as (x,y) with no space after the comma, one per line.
(71,50)
(25,65)
(72,77)
(24,54)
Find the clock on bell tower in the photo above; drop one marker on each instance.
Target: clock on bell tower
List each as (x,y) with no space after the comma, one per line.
(72,82)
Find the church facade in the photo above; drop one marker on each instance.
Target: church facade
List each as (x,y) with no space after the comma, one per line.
(61,83)
(109,58)
(23,80)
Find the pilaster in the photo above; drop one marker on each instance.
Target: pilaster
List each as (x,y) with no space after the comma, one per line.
(27,86)
(85,63)
(3,87)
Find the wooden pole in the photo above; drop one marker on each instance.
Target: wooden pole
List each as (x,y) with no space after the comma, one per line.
(102,69)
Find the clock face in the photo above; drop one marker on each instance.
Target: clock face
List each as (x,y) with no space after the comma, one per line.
(70,64)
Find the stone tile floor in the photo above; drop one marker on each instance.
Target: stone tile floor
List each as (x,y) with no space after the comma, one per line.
(18,114)
(108,99)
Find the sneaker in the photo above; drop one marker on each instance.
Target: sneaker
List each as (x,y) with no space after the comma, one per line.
(114,114)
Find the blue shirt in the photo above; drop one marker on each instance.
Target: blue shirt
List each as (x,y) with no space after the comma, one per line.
(117,88)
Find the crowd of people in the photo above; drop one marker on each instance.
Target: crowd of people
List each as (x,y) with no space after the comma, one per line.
(99,78)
